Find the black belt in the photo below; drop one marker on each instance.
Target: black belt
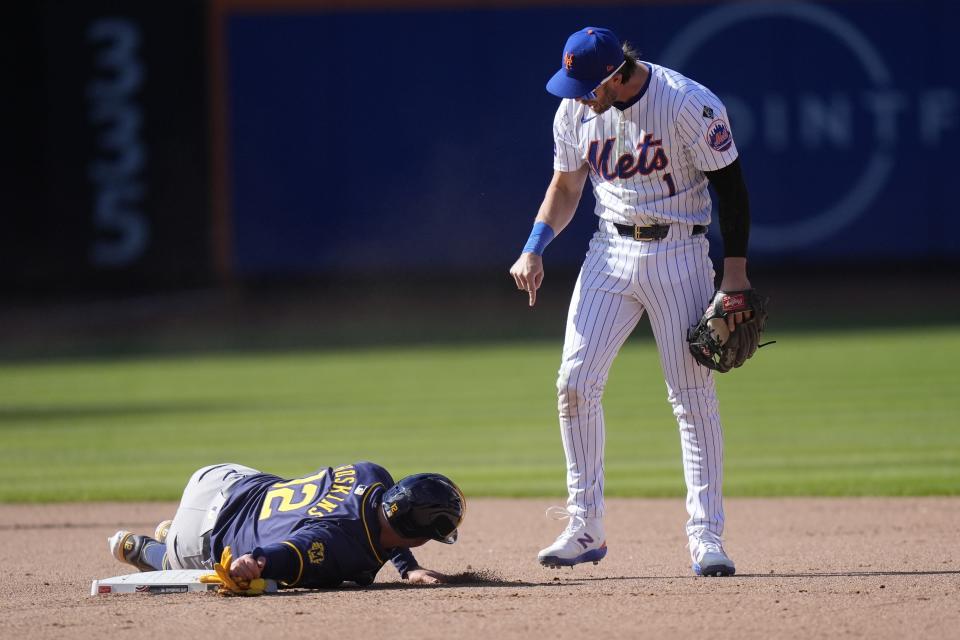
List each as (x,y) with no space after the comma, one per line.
(653,232)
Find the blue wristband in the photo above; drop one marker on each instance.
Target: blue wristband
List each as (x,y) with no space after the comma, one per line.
(540,237)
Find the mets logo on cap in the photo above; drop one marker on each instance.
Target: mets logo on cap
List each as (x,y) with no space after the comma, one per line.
(589,55)
(719,136)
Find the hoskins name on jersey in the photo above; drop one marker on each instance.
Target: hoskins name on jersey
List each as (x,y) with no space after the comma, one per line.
(343,480)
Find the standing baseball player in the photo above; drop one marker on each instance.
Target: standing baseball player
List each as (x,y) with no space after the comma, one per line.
(651,141)
(338,524)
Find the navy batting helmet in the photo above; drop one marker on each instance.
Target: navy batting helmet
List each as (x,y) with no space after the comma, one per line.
(425,505)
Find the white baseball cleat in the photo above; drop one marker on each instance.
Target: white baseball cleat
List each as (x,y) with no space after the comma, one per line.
(709,558)
(582,541)
(127,547)
(117,542)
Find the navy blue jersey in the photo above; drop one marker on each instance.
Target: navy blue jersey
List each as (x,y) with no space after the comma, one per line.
(316,531)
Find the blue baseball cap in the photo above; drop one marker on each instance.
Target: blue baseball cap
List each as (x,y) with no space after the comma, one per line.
(590,56)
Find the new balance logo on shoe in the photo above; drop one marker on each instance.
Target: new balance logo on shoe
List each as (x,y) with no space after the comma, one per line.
(581,541)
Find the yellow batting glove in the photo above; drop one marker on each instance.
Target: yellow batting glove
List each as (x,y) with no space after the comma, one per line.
(227,584)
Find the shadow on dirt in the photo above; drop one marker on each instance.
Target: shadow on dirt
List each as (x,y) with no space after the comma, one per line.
(469,579)
(798,574)
(848,574)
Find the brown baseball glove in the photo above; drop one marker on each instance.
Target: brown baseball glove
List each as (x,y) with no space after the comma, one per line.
(711,341)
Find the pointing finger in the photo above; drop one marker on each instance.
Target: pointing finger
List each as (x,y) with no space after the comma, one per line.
(538,279)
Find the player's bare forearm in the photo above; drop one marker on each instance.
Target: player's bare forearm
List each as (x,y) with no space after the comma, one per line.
(556,211)
(562,197)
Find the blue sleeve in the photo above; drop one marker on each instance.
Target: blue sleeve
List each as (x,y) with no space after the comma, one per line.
(404,561)
(283,562)
(302,559)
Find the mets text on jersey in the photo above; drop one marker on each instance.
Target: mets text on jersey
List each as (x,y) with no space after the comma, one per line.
(628,164)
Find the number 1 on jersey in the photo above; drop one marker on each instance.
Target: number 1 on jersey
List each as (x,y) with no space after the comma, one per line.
(669,180)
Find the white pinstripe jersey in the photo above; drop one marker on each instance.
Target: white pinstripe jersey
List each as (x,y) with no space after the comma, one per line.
(647,161)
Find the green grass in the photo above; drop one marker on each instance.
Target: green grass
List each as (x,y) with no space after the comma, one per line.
(869,413)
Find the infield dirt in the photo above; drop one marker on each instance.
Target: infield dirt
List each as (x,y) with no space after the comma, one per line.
(807,568)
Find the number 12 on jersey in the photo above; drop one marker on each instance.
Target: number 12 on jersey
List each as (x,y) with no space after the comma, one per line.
(286,493)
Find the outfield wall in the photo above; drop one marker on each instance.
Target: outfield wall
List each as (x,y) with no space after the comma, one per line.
(298,138)
(108,181)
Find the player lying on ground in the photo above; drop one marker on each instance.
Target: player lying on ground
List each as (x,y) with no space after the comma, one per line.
(337,525)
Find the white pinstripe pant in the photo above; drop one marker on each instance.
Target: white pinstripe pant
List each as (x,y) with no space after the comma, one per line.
(672,280)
